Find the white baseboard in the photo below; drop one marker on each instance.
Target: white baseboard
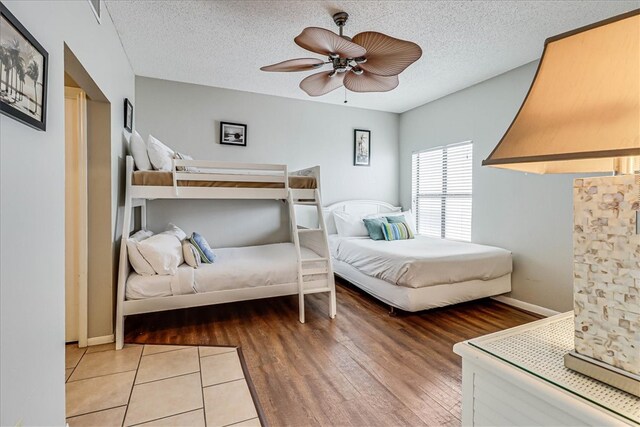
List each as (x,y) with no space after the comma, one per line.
(546,312)
(100,340)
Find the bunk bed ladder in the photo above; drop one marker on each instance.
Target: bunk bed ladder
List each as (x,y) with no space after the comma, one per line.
(318,269)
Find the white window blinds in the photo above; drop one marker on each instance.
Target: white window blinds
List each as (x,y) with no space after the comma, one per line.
(441,191)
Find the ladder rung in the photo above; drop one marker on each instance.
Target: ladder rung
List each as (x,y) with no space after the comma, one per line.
(310,203)
(309,230)
(316,290)
(315,284)
(313,271)
(314,260)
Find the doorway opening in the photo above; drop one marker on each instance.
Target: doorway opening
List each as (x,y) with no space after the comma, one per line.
(88,244)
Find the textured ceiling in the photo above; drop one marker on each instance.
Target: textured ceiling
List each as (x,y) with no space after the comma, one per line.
(224,43)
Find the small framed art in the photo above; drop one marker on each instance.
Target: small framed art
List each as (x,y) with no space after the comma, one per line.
(233,134)
(361,147)
(128,115)
(23,80)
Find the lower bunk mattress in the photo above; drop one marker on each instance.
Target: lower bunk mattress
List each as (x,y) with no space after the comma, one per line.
(234,268)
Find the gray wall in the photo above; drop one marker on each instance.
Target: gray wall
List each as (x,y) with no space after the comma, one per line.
(32,201)
(530,215)
(297,133)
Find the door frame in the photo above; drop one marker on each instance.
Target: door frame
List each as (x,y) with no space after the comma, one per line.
(80,97)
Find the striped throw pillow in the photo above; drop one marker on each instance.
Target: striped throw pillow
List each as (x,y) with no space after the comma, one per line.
(397,231)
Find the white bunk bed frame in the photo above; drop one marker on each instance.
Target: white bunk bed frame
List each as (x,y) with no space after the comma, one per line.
(136,196)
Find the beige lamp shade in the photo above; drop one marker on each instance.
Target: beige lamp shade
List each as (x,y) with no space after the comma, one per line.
(582,112)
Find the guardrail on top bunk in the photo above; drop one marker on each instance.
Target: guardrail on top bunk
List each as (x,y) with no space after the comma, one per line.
(238,179)
(237,173)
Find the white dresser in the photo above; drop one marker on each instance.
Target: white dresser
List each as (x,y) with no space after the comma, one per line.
(517,378)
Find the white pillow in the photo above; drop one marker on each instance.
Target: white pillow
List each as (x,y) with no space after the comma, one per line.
(175,231)
(139,264)
(164,252)
(329,221)
(191,254)
(160,155)
(394,211)
(349,225)
(138,149)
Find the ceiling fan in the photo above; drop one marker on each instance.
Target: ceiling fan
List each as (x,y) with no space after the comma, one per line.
(368,62)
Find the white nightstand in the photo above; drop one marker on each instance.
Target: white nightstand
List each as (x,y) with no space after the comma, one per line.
(517,378)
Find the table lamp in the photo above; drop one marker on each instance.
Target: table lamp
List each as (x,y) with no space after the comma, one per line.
(582,115)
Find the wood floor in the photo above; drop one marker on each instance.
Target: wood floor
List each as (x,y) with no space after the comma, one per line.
(363,368)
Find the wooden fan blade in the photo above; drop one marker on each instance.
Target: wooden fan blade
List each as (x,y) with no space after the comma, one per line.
(299,64)
(367,82)
(386,56)
(328,43)
(321,83)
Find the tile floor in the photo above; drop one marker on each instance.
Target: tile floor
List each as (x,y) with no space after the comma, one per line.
(157,385)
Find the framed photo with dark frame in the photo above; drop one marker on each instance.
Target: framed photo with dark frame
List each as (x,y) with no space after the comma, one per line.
(361,147)
(233,134)
(23,73)
(128,115)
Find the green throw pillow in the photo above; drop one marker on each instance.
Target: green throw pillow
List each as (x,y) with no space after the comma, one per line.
(396,219)
(374,227)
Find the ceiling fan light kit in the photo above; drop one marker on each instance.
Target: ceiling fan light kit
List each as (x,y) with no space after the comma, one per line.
(368,62)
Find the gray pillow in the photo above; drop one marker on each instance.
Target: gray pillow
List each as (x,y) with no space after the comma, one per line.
(374,227)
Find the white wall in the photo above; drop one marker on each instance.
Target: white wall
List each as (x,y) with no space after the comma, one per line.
(280,130)
(530,215)
(32,206)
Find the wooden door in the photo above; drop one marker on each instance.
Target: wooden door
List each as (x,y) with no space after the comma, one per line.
(76,234)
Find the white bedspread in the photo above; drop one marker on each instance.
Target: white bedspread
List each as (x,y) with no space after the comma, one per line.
(422,261)
(140,287)
(234,268)
(250,266)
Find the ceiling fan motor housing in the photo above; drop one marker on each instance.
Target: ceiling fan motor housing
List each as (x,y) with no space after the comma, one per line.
(340,18)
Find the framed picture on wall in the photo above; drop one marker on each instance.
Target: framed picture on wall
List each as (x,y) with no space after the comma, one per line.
(361,147)
(128,115)
(233,134)
(23,73)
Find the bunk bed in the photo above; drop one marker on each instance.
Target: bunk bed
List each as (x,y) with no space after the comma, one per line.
(302,266)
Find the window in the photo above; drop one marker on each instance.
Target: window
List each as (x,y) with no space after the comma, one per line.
(441,187)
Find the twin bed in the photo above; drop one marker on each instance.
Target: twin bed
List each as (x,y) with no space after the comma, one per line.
(420,273)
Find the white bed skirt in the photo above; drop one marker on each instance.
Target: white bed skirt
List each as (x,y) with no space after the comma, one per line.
(416,299)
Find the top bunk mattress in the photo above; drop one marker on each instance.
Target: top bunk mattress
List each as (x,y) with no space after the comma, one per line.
(165,179)
(423,261)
